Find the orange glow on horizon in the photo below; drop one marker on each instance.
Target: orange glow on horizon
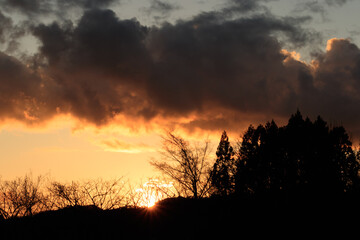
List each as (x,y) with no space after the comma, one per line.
(153,191)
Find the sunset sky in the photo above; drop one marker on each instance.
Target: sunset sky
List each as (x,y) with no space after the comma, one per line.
(87,87)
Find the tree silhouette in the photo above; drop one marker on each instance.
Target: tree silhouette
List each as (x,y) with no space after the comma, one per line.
(186,165)
(104,194)
(22,197)
(223,172)
(303,156)
(66,195)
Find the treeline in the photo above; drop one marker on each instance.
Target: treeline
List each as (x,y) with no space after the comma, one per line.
(302,158)
(26,196)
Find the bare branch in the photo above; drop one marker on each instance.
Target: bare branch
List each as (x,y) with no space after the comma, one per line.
(184,164)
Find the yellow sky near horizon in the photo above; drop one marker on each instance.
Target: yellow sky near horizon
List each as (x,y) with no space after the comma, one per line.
(66,152)
(68,155)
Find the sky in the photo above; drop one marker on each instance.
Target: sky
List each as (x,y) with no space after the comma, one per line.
(88,87)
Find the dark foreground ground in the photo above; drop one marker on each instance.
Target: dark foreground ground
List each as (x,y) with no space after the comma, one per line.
(181,218)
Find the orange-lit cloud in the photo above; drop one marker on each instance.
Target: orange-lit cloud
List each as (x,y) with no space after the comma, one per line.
(332,41)
(290,55)
(116,145)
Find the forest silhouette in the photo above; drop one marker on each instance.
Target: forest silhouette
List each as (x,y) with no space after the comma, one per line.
(298,179)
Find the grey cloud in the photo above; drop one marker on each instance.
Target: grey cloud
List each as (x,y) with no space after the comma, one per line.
(19,90)
(336,2)
(10,33)
(243,6)
(87,4)
(5,26)
(38,8)
(317,7)
(311,6)
(162,7)
(160,10)
(28,7)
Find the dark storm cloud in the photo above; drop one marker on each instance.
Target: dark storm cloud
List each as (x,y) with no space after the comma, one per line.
(337,78)
(207,64)
(105,66)
(217,71)
(96,64)
(237,64)
(100,41)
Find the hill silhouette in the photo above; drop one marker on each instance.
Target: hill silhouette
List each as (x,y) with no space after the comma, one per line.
(185,218)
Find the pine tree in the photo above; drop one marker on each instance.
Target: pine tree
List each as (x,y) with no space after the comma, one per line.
(303,157)
(223,173)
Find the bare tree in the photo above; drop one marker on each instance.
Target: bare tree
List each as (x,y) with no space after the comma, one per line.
(65,195)
(26,196)
(108,194)
(104,194)
(186,165)
(22,197)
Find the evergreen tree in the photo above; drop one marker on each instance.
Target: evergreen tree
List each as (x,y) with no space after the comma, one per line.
(301,157)
(222,175)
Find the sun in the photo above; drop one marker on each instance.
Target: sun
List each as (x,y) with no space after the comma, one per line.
(153,191)
(151,202)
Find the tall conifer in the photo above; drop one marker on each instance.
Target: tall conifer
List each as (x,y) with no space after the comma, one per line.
(222,175)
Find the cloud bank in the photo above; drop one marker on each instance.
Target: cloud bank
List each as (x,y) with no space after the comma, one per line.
(214,71)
